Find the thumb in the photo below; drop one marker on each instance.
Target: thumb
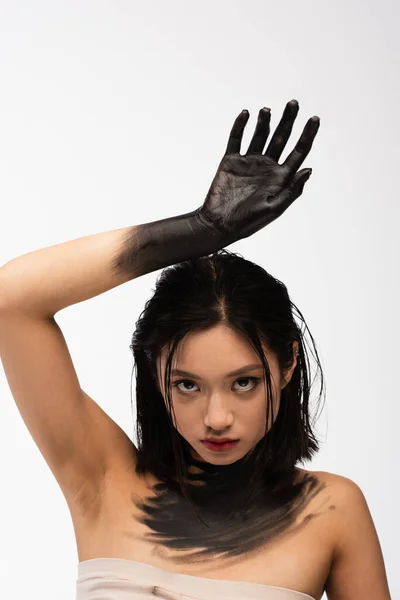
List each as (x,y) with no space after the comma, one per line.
(300,179)
(295,188)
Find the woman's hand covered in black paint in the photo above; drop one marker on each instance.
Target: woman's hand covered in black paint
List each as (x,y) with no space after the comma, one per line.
(249,192)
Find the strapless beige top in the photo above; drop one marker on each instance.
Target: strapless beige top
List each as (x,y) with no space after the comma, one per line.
(120,579)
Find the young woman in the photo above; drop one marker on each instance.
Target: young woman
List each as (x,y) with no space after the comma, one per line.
(210,505)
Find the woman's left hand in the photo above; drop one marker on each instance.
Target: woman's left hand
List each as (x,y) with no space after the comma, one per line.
(250,191)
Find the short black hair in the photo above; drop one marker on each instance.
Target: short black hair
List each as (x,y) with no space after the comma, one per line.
(196,295)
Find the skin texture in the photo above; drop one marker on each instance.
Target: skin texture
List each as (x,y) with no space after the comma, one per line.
(217,405)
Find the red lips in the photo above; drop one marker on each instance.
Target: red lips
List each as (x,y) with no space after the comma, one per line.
(219,440)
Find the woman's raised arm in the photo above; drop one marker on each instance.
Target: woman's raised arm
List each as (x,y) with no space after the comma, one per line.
(247,193)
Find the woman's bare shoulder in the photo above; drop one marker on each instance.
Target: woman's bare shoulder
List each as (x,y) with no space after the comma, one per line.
(325,476)
(332,485)
(336,490)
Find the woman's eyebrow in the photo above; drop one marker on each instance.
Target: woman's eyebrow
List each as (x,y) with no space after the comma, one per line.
(236,372)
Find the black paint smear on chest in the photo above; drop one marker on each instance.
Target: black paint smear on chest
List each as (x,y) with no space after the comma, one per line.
(229,532)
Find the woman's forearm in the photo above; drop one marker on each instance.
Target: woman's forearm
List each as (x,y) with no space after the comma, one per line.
(45,281)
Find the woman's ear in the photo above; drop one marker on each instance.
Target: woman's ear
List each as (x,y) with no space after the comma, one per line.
(289,372)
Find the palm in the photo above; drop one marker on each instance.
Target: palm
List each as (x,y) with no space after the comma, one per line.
(250,191)
(243,180)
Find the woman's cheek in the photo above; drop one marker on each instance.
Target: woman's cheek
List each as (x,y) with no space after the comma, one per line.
(185,419)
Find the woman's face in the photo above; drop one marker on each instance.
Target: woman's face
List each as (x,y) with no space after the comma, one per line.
(212,403)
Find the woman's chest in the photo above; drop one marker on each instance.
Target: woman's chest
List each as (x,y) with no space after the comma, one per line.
(290,548)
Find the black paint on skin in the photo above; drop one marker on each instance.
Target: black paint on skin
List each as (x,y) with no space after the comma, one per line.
(159,244)
(247,193)
(229,533)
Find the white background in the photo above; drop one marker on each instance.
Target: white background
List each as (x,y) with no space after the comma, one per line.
(118,113)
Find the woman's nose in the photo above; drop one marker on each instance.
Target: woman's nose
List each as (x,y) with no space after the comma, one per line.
(218,414)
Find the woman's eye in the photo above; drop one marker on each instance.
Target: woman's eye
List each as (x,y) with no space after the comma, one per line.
(254,380)
(185,381)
